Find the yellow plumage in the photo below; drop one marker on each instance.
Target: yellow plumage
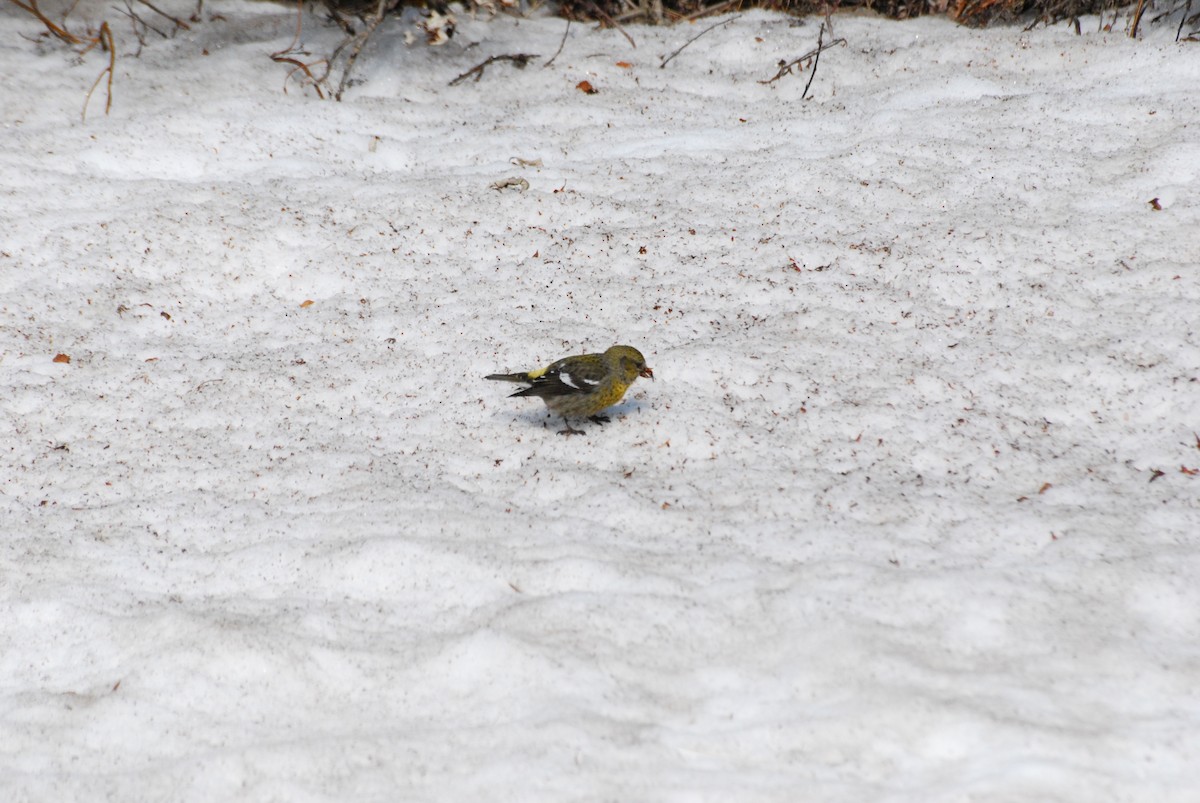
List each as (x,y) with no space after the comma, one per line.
(584,385)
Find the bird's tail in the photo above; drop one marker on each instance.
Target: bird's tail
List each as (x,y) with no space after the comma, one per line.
(521,377)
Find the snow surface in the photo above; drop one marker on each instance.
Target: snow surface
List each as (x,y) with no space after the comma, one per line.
(889,526)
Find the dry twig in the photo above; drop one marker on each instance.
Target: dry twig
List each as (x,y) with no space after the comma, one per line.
(612,23)
(697,36)
(816,58)
(1137,18)
(178,22)
(560,45)
(105,39)
(139,32)
(518,59)
(284,57)
(299,66)
(58,31)
(785,67)
(717,9)
(360,42)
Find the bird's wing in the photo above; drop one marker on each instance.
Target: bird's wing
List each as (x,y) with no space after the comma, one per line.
(563,380)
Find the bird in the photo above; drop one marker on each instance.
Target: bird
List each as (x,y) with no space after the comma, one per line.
(583,385)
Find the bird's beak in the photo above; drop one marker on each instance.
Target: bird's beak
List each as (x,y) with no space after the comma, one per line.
(647,372)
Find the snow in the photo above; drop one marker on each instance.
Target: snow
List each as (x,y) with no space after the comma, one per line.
(889,524)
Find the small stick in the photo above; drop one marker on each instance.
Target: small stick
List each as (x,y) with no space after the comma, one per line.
(358,47)
(568,30)
(299,66)
(283,57)
(105,39)
(1137,18)
(106,32)
(128,12)
(519,59)
(785,68)
(816,61)
(61,33)
(178,22)
(697,36)
(600,13)
(296,36)
(704,12)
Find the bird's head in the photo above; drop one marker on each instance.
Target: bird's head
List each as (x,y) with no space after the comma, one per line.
(629,361)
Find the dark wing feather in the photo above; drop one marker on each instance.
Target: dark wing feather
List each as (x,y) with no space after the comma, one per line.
(564,380)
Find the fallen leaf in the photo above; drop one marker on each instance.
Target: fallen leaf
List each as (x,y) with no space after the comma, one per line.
(1191,472)
(1155,205)
(624,65)
(1045,487)
(1155,474)
(307,303)
(512,182)
(586,87)
(61,358)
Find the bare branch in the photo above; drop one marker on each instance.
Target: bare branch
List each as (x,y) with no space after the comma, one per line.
(816,61)
(61,33)
(360,42)
(785,67)
(1137,18)
(612,23)
(704,12)
(129,12)
(299,66)
(285,57)
(105,39)
(518,59)
(560,45)
(178,22)
(714,26)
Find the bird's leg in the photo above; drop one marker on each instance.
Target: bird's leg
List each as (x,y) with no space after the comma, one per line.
(569,429)
(599,419)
